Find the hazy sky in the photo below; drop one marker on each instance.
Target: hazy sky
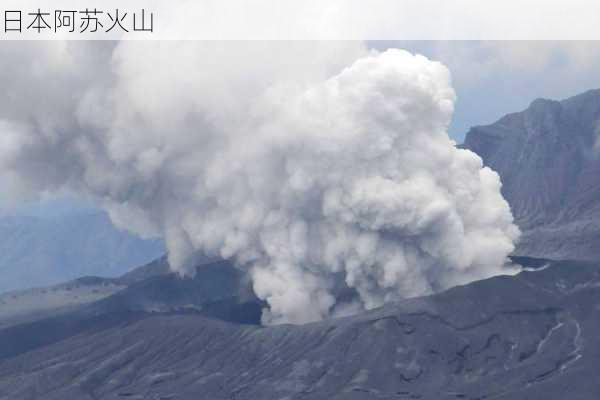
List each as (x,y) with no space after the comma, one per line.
(490,79)
(495,78)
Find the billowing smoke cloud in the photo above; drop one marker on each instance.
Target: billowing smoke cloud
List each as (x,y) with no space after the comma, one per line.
(310,164)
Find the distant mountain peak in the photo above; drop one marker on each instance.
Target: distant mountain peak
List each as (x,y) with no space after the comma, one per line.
(585,96)
(543,103)
(551,178)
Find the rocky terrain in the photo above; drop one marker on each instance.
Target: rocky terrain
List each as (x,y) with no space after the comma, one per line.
(548,157)
(163,337)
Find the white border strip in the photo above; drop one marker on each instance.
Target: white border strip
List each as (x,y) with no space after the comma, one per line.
(325,19)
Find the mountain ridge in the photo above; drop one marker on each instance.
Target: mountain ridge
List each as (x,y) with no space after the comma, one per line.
(470,342)
(548,158)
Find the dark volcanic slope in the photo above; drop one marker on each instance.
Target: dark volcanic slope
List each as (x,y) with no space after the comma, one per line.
(33,304)
(478,341)
(548,157)
(218,287)
(218,290)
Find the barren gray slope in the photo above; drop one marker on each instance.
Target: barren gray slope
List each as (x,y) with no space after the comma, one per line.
(28,305)
(31,304)
(218,290)
(480,341)
(548,157)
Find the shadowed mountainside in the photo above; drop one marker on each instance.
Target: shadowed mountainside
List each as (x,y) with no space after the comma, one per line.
(548,157)
(217,287)
(160,339)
